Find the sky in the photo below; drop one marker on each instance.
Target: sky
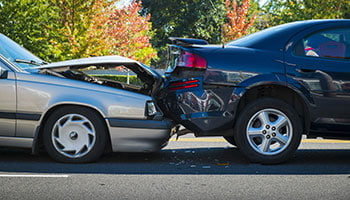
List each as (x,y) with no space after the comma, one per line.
(122,3)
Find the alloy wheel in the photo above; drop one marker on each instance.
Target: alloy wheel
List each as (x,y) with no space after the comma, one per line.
(269,131)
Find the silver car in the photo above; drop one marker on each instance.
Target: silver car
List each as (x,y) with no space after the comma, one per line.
(74,110)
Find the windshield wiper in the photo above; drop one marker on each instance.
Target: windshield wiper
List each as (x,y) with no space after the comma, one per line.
(33,62)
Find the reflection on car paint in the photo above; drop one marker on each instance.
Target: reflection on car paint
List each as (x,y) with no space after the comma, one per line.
(323,84)
(227,77)
(201,101)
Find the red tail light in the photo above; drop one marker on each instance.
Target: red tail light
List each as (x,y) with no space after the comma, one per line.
(188,59)
(184,84)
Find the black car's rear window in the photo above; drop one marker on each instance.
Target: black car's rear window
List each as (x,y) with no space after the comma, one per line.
(270,38)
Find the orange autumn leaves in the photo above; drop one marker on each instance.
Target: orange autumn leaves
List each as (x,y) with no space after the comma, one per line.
(66,29)
(104,29)
(99,27)
(238,22)
(131,33)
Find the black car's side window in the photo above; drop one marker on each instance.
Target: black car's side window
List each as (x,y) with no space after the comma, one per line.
(331,43)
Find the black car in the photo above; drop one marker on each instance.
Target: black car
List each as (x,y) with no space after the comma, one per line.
(263,91)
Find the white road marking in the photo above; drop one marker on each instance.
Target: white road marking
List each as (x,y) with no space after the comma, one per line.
(32,176)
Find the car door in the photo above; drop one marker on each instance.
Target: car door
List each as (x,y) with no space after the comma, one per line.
(7,101)
(320,61)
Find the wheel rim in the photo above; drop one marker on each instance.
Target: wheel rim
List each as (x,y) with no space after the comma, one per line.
(269,131)
(73,135)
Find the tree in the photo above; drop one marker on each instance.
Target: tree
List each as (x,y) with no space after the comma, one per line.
(66,29)
(130,33)
(197,19)
(99,27)
(57,29)
(283,11)
(237,16)
(180,18)
(82,28)
(30,23)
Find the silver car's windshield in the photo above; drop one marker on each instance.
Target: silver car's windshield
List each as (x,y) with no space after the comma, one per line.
(17,54)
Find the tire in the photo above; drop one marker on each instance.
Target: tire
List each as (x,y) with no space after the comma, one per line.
(75,135)
(231,140)
(268,131)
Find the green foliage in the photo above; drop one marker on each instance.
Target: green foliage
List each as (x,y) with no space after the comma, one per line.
(197,19)
(283,11)
(254,10)
(179,18)
(81,28)
(31,23)
(67,29)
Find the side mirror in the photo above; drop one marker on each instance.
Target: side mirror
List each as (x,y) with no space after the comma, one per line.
(3,73)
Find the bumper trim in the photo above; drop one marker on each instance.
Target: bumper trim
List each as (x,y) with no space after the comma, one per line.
(143,123)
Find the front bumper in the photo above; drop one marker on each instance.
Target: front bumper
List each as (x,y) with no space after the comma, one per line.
(130,135)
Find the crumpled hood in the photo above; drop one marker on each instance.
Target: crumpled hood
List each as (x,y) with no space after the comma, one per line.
(82,62)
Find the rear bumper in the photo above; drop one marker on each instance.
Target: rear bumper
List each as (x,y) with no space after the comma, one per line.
(129,135)
(205,112)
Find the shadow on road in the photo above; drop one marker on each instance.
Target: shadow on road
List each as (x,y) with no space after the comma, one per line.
(180,161)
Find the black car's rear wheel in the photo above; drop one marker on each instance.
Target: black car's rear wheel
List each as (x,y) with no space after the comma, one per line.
(74,134)
(268,131)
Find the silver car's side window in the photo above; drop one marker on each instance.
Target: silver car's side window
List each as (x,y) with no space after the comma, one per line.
(331,43)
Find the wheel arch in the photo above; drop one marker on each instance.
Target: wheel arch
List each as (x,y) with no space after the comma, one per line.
(286,93)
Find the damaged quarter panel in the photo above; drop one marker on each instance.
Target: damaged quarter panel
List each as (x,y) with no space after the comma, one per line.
(211,107)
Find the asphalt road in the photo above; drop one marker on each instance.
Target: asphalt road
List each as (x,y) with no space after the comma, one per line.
(203,168)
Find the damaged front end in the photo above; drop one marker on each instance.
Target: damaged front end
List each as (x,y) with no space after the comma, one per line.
(111,71)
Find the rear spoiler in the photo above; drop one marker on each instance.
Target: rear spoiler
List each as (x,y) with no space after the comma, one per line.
(187,41)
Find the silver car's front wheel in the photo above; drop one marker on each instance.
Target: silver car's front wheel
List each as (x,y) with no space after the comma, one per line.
(268,131)
(75,134)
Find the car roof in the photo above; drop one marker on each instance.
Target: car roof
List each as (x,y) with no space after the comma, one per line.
(90,61)
(276,37)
